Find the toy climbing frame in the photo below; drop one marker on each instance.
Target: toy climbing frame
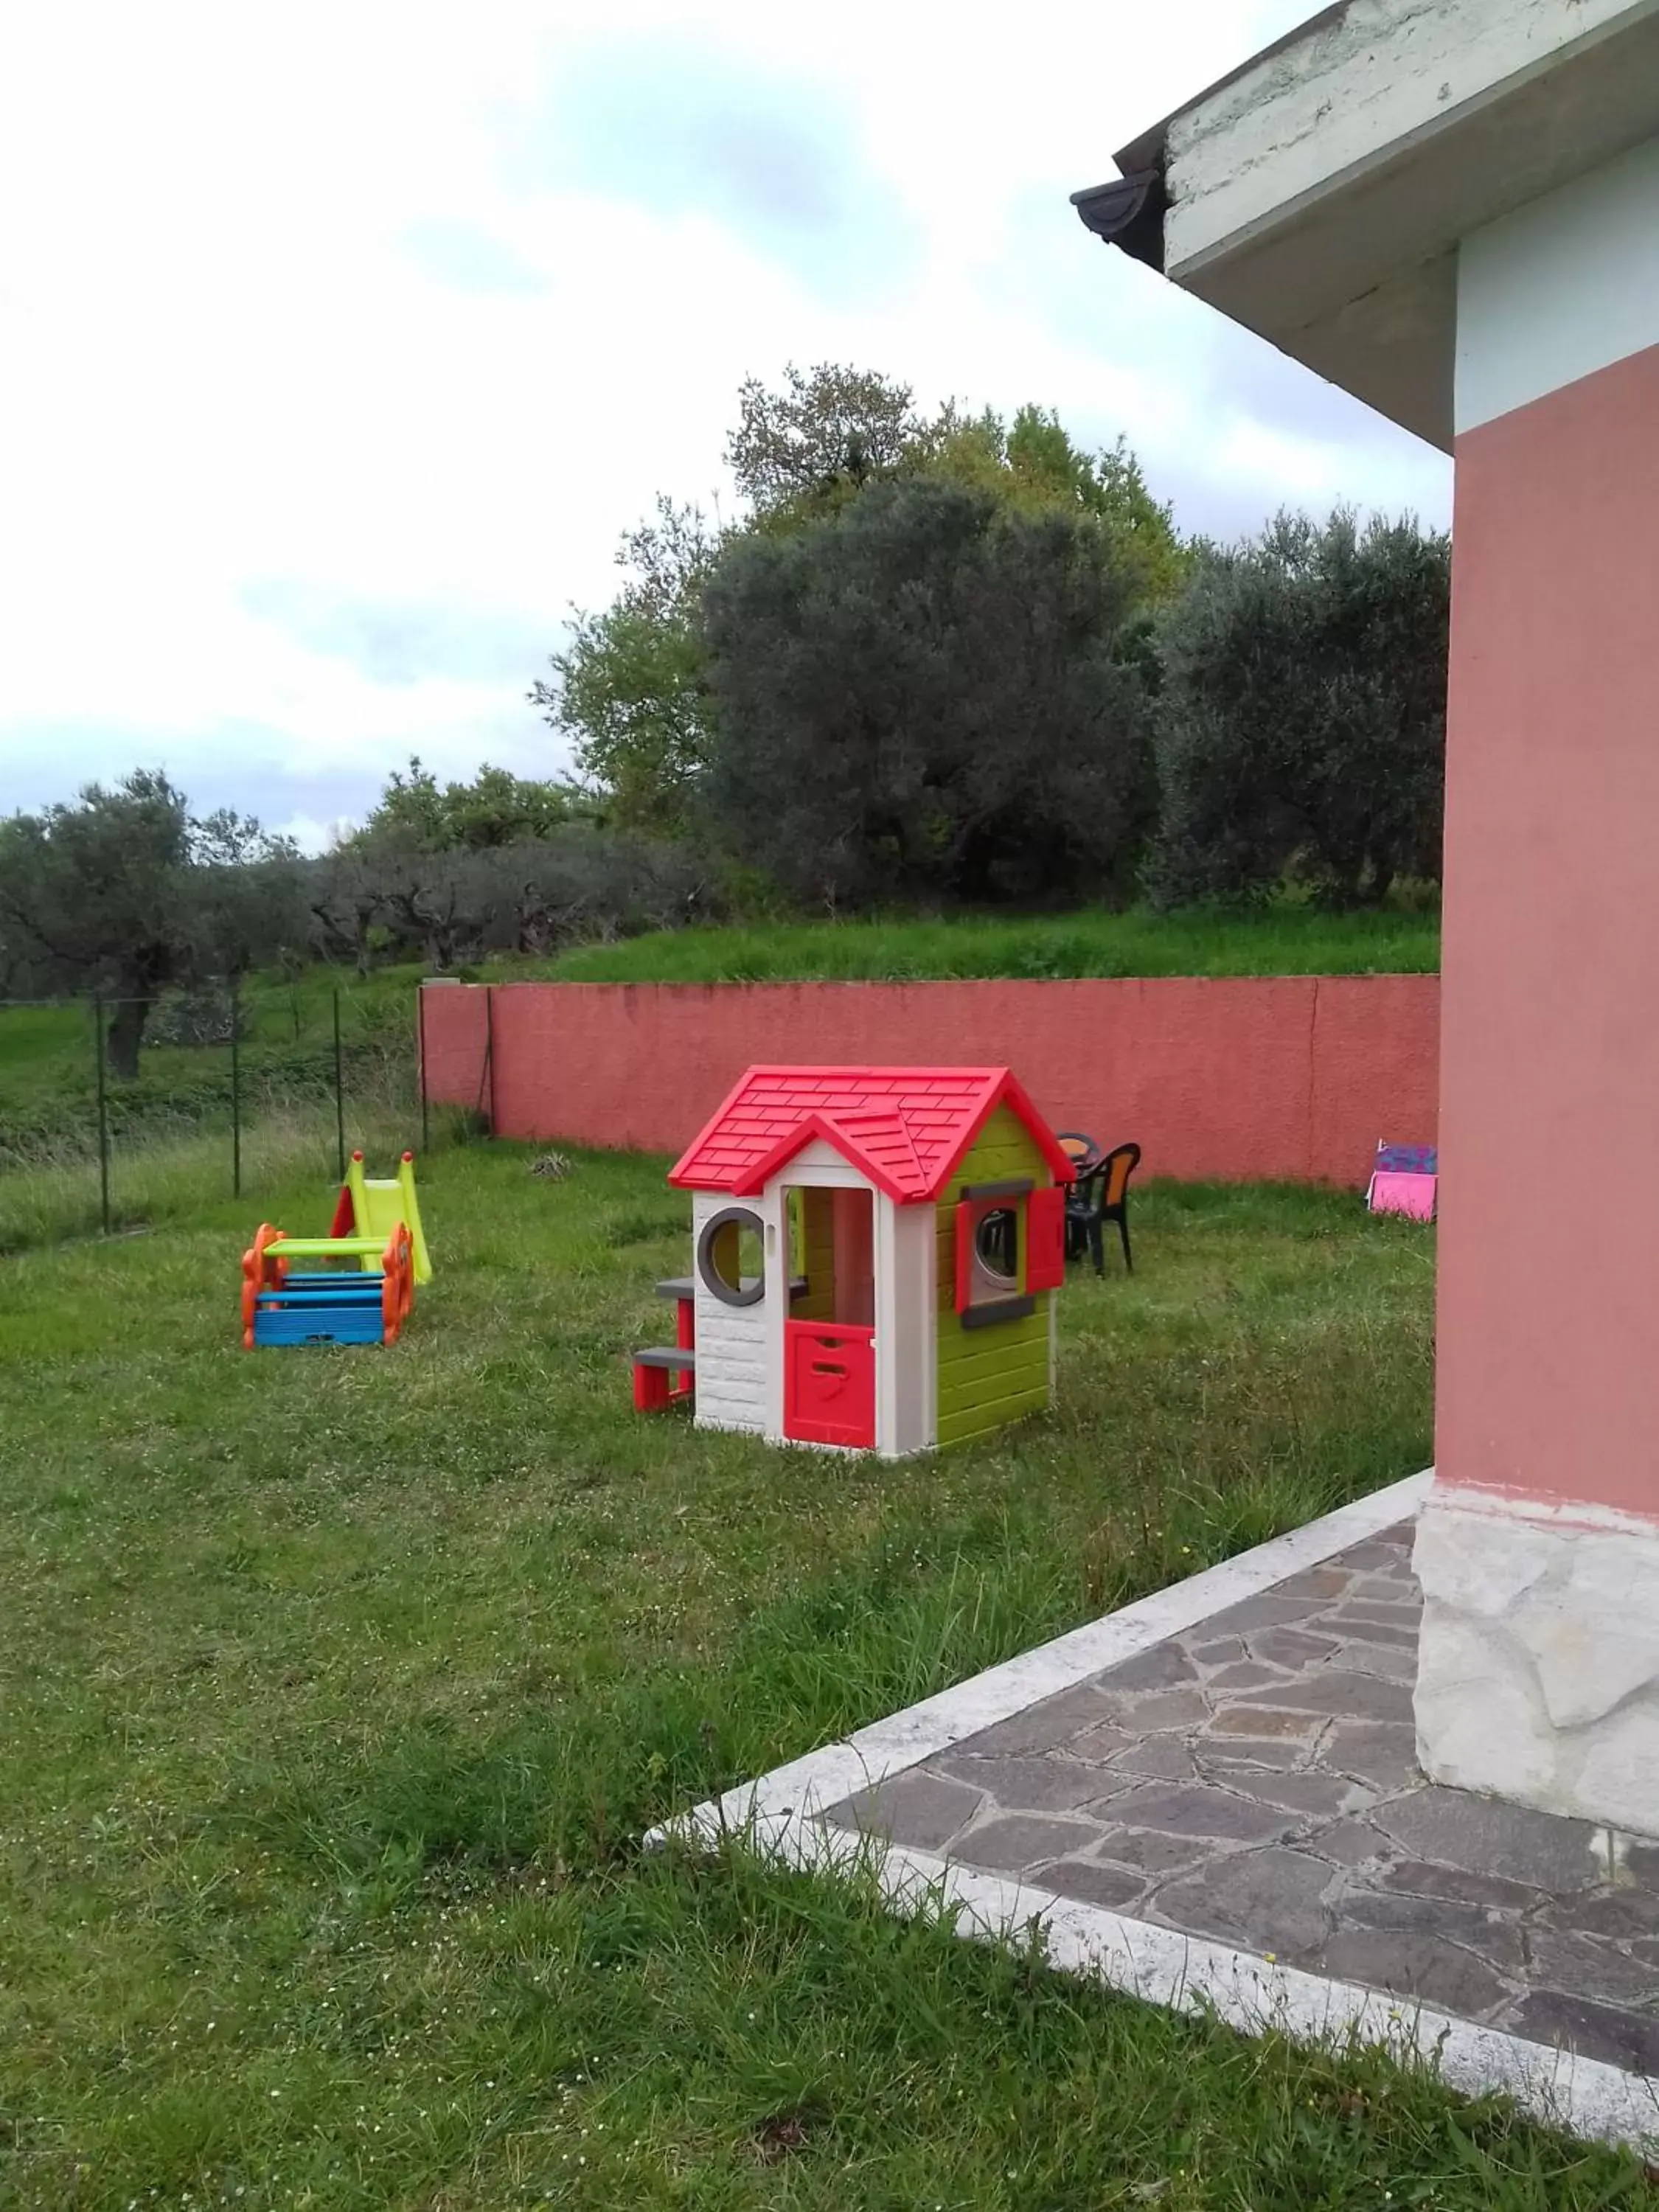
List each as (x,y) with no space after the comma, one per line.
(363,1290)
(332,1305)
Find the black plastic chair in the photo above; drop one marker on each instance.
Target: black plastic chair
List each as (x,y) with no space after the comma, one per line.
(1083,1153)
(1102,1194)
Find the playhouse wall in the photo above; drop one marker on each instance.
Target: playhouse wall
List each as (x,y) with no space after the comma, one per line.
(732,1345)
(1238,1077)
(908,1375)
(987,1376)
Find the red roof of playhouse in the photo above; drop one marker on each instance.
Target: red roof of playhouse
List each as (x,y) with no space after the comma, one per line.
(906,1128)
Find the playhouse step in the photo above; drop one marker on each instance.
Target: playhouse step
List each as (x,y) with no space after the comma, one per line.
(343,1325)
(654,1387)
(315,1300)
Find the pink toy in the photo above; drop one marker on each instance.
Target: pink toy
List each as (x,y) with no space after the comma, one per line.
(1412,1194)
(1404,1179)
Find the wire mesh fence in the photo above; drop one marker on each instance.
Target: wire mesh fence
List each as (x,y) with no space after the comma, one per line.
(116,1114)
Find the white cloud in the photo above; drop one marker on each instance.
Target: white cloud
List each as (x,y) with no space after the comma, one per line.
(312,836)
(309,304)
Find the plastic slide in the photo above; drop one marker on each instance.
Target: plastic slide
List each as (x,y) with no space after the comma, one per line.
(374,1209)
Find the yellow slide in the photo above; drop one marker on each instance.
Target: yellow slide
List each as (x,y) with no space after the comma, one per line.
(374,1209)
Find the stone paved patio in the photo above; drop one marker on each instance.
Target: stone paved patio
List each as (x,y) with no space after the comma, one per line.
(1252,1780)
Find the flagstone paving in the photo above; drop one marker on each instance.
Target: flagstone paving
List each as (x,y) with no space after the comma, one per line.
(1254,1781)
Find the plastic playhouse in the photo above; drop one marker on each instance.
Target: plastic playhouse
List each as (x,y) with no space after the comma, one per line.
(372,1260)
(876,1252)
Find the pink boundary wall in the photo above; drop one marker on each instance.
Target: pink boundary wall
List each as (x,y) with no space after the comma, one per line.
(1241,1079)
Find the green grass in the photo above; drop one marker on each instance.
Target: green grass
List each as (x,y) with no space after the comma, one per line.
(339,1688)
(1281,940)
(170,1131)
(162,1179)
(48,1068)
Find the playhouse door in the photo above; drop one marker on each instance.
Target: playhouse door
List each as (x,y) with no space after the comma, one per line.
(830,1384)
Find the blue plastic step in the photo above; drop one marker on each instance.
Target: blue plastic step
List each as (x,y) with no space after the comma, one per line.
(335,1278)
(347,1326)
(287,1295)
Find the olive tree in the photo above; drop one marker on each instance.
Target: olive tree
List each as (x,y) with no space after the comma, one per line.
(1301,722)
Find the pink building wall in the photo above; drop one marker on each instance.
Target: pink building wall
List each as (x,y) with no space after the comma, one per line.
(1549,1255)
(1234,1079)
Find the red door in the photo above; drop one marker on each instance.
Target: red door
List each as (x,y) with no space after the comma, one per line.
(830,1384)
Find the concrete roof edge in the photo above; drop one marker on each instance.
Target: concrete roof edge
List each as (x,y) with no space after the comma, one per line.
(1146,152)
(1442,126)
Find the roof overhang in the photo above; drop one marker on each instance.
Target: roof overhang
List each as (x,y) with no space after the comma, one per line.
(1318,194)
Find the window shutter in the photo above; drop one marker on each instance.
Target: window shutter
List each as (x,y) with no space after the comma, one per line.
(964,1255)
(1045,1251)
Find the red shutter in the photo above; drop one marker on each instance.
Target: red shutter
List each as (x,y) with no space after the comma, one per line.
(1045,1244)
(964,1256)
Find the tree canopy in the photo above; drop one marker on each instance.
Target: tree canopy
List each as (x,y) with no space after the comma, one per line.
(495,808)
(918,696)
(957,659)
(125,891)
(1302,719)
(824,430)
(631,690)
(498,863)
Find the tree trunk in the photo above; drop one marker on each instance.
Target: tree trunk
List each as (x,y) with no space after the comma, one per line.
(125,1034)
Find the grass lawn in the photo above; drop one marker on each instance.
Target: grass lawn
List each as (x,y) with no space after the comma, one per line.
(1281,940)
(170,1131)
(339,1686)
(48,1079)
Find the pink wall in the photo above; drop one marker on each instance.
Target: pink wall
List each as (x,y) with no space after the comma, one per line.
(1549,1248)
(1237,1078)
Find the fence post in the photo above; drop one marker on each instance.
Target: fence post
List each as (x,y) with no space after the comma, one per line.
(420,1049)
(339,1089)
(235,1086)
(103,1111)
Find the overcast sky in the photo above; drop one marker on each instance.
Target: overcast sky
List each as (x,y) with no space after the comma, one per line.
(339,343)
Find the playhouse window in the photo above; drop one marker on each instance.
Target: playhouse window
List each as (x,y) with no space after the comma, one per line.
(990,1236)
(996,1244)
(732,1256)
(1010,1243)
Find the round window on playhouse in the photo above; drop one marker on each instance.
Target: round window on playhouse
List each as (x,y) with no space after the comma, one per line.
(996,1246)
(732,1256)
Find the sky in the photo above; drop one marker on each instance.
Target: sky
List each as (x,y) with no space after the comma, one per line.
(340,342)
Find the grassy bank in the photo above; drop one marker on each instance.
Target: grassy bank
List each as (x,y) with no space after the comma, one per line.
(48,1064)
(1279,941)
(340,1687)
(165,1177)
(171,1142)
